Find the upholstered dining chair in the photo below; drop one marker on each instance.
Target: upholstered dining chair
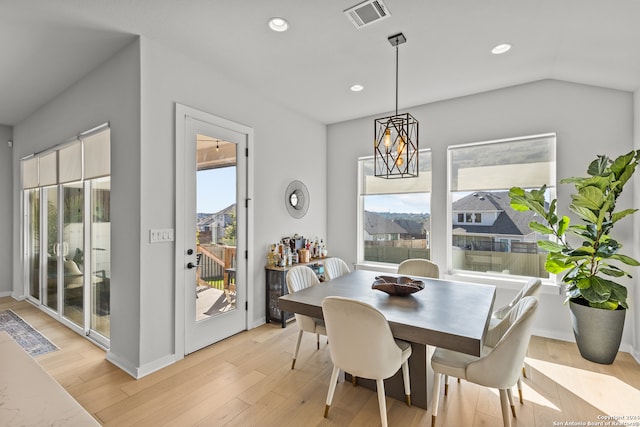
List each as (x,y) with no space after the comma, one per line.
(419,267)
(298,278)
(363,345)
(498,366)
(530,289)
(335,267)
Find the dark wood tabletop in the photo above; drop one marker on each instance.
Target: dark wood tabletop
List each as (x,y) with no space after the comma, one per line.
(452,315)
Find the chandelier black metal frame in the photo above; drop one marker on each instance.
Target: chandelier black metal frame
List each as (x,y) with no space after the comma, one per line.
(396,137)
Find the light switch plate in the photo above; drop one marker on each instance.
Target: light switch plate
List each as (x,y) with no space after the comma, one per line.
(160,235)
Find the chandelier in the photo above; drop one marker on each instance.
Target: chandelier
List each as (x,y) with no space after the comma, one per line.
(396,137)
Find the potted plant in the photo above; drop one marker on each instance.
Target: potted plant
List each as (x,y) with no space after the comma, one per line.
(590,263)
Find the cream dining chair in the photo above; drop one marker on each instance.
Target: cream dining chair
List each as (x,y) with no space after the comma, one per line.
(335,267)
(530,289)
(419,267)
(500,362)
(363,345)
(298,278)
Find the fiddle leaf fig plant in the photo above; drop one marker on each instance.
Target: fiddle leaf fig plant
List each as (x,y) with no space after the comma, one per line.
(591,266)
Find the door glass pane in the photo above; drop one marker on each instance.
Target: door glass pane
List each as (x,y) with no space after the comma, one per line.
(72,253)
(100,255)
(216,226)
(53,248)
(33,241)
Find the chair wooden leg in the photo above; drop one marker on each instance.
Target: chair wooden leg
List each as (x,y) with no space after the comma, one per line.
(407,382)
(504,403)
(446,385)
(524,371)
(435,398)
(382,402)
(513,407)
(318,341)
(295,352)
(520,391)
(354,380)
(332,389)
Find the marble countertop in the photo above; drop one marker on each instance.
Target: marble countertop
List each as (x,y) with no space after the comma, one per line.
(29,396)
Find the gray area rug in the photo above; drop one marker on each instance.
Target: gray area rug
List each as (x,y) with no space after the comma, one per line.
(32,341)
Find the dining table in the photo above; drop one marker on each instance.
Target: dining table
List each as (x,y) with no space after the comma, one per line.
(449,314)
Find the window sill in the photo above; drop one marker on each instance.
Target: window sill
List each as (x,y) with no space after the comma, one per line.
(503,282)
(380,267)
(499,281)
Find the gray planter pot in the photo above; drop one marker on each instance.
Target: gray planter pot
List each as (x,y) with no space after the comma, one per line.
(598,332)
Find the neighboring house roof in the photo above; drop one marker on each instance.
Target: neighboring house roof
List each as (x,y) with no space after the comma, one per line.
(210,218)
(414,228)
(377,224)
(509,221)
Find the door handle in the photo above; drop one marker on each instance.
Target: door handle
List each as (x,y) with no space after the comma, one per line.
(191,265)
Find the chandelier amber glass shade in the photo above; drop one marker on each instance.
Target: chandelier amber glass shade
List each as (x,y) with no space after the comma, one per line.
(396,146)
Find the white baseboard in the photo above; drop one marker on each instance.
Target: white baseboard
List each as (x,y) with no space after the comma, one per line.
(626,348)
(156,365)
(555,335)
(138,372)
(6,294)
(121,363)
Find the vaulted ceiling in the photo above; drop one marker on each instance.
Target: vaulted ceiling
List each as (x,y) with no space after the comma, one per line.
(48,45)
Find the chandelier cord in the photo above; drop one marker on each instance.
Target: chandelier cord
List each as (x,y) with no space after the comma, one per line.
(396,76)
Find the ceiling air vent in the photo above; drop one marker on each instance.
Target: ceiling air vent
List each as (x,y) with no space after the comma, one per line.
(367,13)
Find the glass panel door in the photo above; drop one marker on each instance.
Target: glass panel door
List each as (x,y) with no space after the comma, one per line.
(50,298)
(66,233)
(72,253)
(214,232)
(100,256)
(32,241)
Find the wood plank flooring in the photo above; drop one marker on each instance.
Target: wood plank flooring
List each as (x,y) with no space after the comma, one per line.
(246,380)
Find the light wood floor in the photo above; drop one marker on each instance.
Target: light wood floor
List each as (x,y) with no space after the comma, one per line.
(246,380)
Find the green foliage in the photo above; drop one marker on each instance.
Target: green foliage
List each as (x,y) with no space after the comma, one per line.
(587,269)
(230,232)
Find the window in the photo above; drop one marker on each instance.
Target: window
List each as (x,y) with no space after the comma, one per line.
(480,176)
(66,231)
(394,214)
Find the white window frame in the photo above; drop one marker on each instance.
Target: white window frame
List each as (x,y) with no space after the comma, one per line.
(361,262)
(502,280)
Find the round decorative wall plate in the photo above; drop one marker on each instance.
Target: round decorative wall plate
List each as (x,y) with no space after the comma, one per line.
(296,199)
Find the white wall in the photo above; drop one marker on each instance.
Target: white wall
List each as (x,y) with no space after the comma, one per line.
(136,92)
(6,236)
(109,93)
(287,146)
(588,121)
(634,292)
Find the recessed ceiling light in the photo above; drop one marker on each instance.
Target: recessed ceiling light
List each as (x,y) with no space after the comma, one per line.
(356,88)
(501,48)
(278,24)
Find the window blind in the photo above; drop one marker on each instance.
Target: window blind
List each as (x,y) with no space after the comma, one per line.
(527,162)
(30,173)
(376,185)
(48,169)
(70,161)
(89,156)
(97,154)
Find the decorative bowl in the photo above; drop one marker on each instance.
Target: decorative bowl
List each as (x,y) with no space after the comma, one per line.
(397,285)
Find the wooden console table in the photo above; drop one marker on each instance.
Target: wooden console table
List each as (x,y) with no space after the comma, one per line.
(276,286)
